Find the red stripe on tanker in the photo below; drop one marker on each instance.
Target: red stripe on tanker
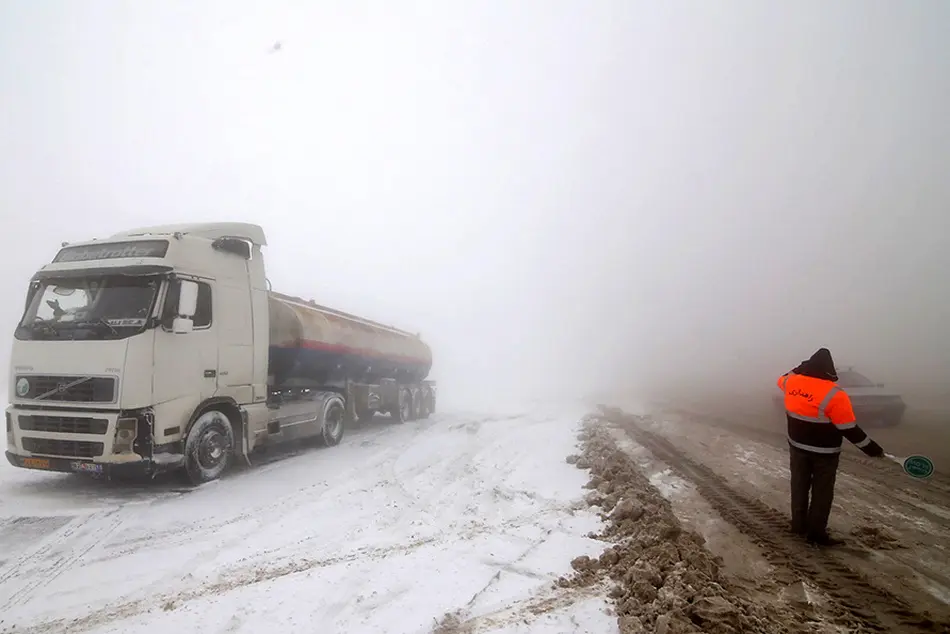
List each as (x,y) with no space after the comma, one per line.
(335,347)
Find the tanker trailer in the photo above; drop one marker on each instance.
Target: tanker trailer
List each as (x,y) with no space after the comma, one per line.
(315,347)
(164,348)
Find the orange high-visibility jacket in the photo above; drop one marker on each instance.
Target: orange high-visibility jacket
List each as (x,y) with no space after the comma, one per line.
(819,413)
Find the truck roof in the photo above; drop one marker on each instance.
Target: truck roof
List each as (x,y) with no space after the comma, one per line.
(211,230)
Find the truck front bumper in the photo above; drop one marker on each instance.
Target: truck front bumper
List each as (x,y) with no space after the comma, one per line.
(119,470)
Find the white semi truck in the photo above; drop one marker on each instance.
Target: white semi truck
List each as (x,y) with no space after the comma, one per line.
(163,348)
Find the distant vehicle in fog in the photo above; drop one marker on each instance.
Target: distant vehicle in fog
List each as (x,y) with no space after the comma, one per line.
(874,404)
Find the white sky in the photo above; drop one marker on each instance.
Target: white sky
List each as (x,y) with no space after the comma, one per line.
(555,193)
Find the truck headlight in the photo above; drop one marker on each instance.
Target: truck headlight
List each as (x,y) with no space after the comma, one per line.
(9,428)
(126,429)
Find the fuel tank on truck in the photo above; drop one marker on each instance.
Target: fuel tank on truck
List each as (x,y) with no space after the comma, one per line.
(312,344)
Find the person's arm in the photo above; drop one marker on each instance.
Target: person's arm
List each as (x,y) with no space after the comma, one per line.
(841,413)
(781,381)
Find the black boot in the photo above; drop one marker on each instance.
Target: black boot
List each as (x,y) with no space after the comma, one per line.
(825,540)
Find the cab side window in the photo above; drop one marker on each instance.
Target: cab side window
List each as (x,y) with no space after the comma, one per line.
(202,314)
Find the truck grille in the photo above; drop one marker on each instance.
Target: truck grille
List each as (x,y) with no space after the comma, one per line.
(71,388)
(63,424)
(67,448)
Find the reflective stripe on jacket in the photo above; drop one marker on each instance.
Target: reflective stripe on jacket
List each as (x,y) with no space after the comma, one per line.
(819,413)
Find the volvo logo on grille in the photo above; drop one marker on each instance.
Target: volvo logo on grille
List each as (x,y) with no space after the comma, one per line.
(63,387)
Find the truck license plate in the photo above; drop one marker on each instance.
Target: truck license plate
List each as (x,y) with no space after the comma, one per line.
(89,467)
(36,463)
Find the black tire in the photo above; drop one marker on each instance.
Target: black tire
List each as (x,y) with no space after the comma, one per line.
(403,413)
(425,401)
(416,405)
(334,422)
(209,448)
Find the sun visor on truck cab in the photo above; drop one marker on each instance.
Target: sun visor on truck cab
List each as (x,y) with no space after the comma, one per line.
(112,251)
(105,257)
(139,269)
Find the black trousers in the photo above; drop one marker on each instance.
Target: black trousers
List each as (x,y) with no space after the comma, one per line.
(812,473)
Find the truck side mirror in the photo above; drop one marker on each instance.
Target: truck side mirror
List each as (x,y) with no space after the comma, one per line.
(187,298)
(182,325)
(187,306)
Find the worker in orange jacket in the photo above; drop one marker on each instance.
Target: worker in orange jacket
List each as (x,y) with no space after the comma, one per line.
(819,414)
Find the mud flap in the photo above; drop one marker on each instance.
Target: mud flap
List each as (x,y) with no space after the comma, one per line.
(245,443)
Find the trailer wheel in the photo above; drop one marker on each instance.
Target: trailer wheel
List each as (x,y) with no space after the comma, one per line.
(333,427)
(416,404)
(424,401)
(403,413)
(208,448)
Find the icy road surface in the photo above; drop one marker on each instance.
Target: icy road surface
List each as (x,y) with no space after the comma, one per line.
(469,514)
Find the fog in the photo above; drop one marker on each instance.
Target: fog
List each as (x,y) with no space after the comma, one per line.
(559,196)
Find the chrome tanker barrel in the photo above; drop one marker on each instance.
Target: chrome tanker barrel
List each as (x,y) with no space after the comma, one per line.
(311,344)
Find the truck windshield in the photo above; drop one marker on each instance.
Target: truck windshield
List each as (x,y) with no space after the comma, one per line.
(94,307)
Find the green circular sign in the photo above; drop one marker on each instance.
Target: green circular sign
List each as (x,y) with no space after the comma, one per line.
(918,466)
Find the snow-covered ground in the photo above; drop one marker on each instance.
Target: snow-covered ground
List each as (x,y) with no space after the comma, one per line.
(465,513)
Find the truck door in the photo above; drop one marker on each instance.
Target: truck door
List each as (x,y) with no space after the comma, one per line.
(186,365)
(235,339)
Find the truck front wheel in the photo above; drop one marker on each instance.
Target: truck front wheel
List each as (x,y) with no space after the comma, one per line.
(208,448)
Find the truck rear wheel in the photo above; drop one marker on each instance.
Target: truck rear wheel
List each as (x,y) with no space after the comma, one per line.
(424,403)
(208,448)
(403,413)
(331,431)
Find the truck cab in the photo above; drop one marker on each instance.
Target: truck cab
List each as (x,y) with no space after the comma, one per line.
(125,343)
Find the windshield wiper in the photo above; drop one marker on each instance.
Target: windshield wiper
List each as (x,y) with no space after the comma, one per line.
(98,322)
(99,325)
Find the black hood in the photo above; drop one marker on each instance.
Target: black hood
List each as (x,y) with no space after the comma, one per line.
(819,366)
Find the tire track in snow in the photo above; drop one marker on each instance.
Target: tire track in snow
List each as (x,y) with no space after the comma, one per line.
(229,580)
(520,612)
(39,566)
(257,568)
(463,467)
(885,490)
(265,517)
(510,568)
(187,533)
(891,482)
(88,534)
(851,590)
(456,467)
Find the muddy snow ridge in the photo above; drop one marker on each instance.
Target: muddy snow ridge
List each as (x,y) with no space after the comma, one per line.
(662,577)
